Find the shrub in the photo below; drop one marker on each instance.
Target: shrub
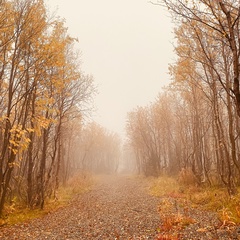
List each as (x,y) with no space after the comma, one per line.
(187,177)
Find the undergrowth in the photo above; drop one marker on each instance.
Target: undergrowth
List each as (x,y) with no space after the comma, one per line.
(18,212)
(215,199)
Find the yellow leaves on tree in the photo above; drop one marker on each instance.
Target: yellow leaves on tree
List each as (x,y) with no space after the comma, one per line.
(40,123)
(19,140)
(183,70)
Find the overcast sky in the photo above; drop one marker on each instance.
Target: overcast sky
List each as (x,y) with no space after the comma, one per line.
(126,45)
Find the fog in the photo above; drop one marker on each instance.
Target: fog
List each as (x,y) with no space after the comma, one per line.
(126,46)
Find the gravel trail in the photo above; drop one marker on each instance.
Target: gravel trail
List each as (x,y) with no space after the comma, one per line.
(116,208)
(119,207)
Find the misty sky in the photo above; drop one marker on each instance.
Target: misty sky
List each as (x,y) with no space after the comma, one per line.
(126,45)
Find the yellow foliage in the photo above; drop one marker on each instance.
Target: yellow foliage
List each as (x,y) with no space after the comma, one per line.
(19,140)
(40,123)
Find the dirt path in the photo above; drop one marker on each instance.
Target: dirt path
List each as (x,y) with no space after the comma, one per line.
(121,208)
(117,208)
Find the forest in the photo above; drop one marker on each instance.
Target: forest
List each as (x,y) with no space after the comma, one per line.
(191,131)
(44,99)
(193,126)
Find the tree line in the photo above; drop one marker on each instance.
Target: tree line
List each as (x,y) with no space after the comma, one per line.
(43,98)
(193,126)
(99,151)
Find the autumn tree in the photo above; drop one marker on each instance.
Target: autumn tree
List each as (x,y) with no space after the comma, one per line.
(151,136)
(221,20)
(17,75)
(212,63)
(42,90)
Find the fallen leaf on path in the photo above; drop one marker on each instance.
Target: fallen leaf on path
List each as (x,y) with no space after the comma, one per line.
(202,230)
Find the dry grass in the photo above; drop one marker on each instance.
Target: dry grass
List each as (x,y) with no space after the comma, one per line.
(214,199)
(17,212)
(164,186)
(172,218)
(217,200)
(79,183)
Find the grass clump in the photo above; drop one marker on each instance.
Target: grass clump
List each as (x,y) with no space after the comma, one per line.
(172,219)
(165,186)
